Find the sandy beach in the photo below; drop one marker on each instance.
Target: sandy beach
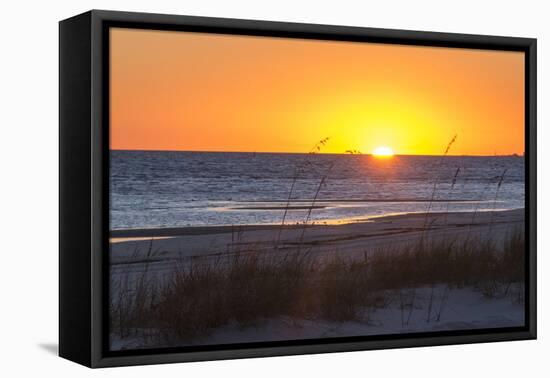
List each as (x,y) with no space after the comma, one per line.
(169,245)
(151,255)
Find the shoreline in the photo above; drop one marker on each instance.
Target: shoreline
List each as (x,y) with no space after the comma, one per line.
(168,232)
(165,247)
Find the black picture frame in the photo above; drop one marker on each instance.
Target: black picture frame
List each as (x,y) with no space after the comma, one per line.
(83,181)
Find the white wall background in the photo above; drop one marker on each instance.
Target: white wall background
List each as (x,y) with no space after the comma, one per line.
(29,174)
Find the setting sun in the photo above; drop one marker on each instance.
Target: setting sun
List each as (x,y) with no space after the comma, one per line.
(357,92)
(382,152)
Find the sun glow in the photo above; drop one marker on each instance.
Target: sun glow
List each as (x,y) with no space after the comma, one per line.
(363,95)
(382,152)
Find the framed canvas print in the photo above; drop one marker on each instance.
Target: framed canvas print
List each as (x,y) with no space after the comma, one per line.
(234,188)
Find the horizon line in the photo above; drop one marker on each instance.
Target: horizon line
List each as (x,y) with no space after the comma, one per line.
(307,153)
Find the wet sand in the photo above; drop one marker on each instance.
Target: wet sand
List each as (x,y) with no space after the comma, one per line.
(166,245)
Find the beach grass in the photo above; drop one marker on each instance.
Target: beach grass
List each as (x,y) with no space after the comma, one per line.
(249,287)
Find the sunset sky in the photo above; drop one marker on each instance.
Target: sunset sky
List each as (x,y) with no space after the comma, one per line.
(210,92)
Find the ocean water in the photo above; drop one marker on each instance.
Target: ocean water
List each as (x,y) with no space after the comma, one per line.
(150,189)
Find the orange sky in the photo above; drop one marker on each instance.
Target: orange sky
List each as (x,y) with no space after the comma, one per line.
(210,92)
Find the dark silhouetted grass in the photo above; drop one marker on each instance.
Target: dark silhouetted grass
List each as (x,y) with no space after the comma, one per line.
(248,288)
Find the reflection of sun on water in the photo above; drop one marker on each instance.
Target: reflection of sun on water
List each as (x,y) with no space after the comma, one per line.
(382,152)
